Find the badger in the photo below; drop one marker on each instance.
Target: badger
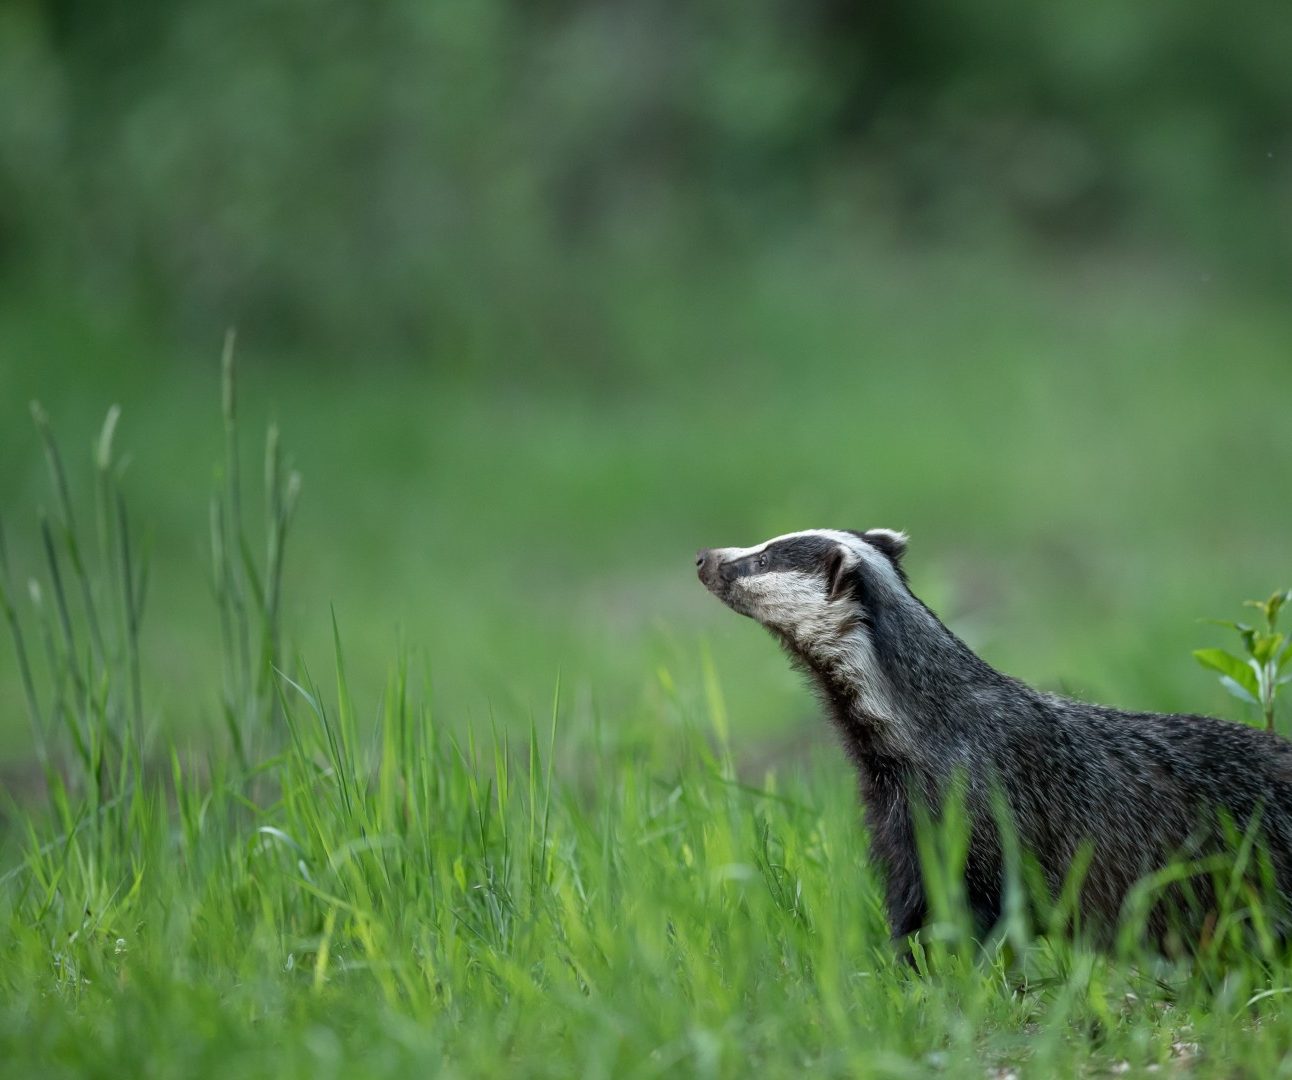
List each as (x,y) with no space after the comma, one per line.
(1082,792)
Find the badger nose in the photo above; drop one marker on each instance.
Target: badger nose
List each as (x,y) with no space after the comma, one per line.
(709,567)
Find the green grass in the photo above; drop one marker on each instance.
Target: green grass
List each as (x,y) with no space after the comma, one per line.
(663,870)
(591,900)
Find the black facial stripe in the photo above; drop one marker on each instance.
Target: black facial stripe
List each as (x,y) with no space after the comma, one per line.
(806,554)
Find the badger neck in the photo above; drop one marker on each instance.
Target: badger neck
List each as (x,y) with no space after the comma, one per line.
(903,686)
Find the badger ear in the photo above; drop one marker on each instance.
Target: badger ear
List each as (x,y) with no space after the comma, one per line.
(836,573)
(891,542)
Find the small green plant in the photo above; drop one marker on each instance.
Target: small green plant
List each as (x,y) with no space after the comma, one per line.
(1257,678)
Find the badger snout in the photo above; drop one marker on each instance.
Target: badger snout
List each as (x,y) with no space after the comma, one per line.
(713,569)
(706,567)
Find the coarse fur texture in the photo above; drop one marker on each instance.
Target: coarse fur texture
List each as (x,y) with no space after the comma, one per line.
(919,711)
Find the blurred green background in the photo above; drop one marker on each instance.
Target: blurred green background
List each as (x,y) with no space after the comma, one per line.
(547,294)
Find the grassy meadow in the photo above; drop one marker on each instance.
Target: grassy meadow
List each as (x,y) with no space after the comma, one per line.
(364,718)
(521,799)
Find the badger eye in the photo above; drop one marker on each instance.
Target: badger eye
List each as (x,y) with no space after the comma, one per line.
(762,562)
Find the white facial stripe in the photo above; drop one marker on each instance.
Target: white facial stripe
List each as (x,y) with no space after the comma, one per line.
(786,597)
(854,544)
(793,603)
(831,534)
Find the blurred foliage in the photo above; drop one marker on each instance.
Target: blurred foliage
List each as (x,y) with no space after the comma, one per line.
(652,275)
(461,174)
(1071,454)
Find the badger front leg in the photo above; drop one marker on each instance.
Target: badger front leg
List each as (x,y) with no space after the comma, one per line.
(908,908)
(892,847)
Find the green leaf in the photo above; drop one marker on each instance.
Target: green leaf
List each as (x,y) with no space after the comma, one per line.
(1267,646)
(1247,633)
(1239,626)
(1231,667)
(1270,608)
(1285,658)
(1239,692)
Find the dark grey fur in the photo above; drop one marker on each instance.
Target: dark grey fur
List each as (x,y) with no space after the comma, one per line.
(1138,789)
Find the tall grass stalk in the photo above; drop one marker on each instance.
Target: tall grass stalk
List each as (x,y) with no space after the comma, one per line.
(248,594)
(34,712)
(87,613)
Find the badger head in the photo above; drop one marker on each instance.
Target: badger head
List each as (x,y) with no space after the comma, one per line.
(812,589)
